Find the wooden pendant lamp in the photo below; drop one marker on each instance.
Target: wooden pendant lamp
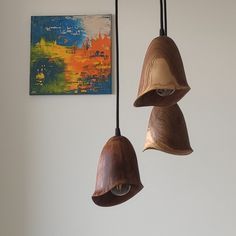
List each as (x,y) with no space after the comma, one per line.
(118,176)
(163,81)
(167,131)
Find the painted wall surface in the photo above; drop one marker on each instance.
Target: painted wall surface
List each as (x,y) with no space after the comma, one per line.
(50,145)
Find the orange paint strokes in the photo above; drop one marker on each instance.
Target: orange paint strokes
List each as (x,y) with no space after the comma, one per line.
(93,59)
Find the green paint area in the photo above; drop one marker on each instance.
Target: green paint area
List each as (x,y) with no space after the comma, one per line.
(46,74)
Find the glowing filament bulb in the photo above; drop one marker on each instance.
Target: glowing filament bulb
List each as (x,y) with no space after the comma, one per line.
(165,92)
(121,189)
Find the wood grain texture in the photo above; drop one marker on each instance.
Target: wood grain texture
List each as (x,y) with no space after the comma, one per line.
(167,131)
(117,165)
(162,69)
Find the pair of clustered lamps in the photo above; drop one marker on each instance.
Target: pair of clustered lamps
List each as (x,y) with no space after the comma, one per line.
(162,85)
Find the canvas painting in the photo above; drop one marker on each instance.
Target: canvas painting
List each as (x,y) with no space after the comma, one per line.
(70,55)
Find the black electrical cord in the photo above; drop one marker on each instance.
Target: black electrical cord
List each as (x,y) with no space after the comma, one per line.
(162,32)
(165,13)
(163,18)
(117,75)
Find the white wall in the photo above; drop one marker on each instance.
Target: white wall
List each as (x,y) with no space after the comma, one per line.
(50,145)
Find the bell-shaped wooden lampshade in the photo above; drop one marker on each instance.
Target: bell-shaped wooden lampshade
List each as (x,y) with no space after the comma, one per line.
(117,175)
(163,81)
(167,131)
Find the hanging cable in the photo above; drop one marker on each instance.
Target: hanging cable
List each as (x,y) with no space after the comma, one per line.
(165,13)
(162,32)
(163,18)
(117,74)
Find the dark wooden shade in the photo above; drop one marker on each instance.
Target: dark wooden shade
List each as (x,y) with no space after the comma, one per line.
(167,131)
(162,69)
(117,165)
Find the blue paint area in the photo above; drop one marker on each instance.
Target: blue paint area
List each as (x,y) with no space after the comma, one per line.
(65,30)
(101,86)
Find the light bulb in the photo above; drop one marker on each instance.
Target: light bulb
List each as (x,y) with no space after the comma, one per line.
(121,189)
(165,92)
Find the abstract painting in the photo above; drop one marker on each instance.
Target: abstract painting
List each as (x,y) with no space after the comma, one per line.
(70,55)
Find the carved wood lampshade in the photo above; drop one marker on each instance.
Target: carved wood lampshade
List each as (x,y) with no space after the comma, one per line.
(117,176)
(163,81)
(167,131)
